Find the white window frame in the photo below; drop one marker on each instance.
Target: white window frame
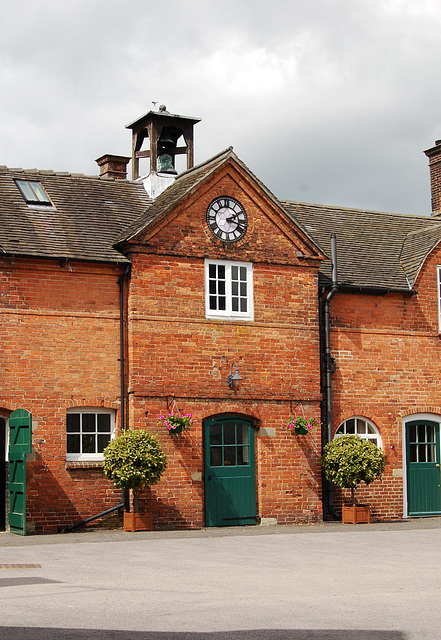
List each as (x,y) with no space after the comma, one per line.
(438,270)
(373,437)
(84,457)
(228,313)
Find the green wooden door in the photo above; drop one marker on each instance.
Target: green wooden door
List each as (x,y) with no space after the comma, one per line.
(20,443)
(3,455)
(230,484)
(423,468)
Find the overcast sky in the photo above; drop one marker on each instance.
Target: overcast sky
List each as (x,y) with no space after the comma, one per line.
(326,101)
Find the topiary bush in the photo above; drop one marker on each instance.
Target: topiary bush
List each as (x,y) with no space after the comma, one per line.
(134,460)
(349,460)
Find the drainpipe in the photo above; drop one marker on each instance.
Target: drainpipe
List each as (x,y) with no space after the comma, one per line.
(122,504)
(328,370)
(122,277)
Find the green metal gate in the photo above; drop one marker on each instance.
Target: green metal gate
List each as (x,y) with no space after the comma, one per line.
(423,468)
(20,443)
(230,483)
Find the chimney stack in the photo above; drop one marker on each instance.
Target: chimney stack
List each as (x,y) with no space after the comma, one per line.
(113,166)
(434,155)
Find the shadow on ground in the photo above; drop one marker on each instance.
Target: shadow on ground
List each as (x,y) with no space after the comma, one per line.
(33,633)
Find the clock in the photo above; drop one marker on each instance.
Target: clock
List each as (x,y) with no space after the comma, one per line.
(227,219)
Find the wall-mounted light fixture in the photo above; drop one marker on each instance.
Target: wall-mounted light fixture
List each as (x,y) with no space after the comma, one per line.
(234,379)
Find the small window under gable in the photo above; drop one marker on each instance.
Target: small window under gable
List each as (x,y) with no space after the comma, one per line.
(33,192)
(228,290)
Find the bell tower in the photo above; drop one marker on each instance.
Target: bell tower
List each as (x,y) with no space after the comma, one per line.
(163,130)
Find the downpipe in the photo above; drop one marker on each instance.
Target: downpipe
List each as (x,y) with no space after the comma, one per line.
(122,505)
(329,369)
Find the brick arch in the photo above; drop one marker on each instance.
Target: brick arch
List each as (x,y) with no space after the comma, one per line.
(236,414)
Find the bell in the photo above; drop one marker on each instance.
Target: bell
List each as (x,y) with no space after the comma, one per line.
(165,164)
(166,151)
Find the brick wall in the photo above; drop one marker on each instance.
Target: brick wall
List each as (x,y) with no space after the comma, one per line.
(60,348)
(388,356)
(175,351)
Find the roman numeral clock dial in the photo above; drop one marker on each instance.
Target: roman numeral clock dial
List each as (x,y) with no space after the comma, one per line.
(227,219)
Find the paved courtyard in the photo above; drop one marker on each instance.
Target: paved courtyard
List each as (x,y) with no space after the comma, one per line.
(328,581)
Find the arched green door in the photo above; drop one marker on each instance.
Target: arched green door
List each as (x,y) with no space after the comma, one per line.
(230,482)
(423,468)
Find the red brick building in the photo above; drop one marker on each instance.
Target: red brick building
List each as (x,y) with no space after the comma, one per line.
(124,299)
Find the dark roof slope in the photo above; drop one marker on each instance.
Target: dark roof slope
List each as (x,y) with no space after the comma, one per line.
(89,213)
(374,250)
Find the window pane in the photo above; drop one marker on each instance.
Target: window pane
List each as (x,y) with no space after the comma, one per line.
(234,272)
(221,287)
(215,456)
(412,433)
(235,288)
(88,422)
(40,193)
(413,453)
(103,441)
(73,422)
(26,190)
(243,457)
(73,443)
(212,287)
(361,426)
(222,303)
(243,288)
(230,456)
(213,303)
(216,434)
(243,273)
(235,304)
(212,271)
(350,426)
(243,305)
(103,422)
(422,453)
(242,434)
(421,433)
(221,271)
(430,433)
(229,434)
(431,454)
(88,443)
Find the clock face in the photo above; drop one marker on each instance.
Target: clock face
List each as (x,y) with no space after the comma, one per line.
(226,219)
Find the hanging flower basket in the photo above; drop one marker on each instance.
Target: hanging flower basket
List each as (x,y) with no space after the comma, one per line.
(176,422)
(300,425)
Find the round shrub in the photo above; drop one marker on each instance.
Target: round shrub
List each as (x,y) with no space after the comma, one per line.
(349,460)
(134,460)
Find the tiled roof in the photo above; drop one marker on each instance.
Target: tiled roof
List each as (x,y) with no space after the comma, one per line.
(92,215)
(374,250)
(89,213)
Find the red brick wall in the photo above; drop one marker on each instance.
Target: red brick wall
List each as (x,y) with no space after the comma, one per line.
(60,348)
(175,350)
(60,339)
(388,355)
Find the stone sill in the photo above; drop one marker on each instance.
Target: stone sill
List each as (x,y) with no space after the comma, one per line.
(89,464)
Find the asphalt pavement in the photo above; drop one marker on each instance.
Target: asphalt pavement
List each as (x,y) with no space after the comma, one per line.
(328,581)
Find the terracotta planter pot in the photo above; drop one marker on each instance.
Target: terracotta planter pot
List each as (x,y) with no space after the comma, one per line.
(138,521)
(355,514)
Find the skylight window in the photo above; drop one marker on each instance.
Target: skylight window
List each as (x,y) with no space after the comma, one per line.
(33,192)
